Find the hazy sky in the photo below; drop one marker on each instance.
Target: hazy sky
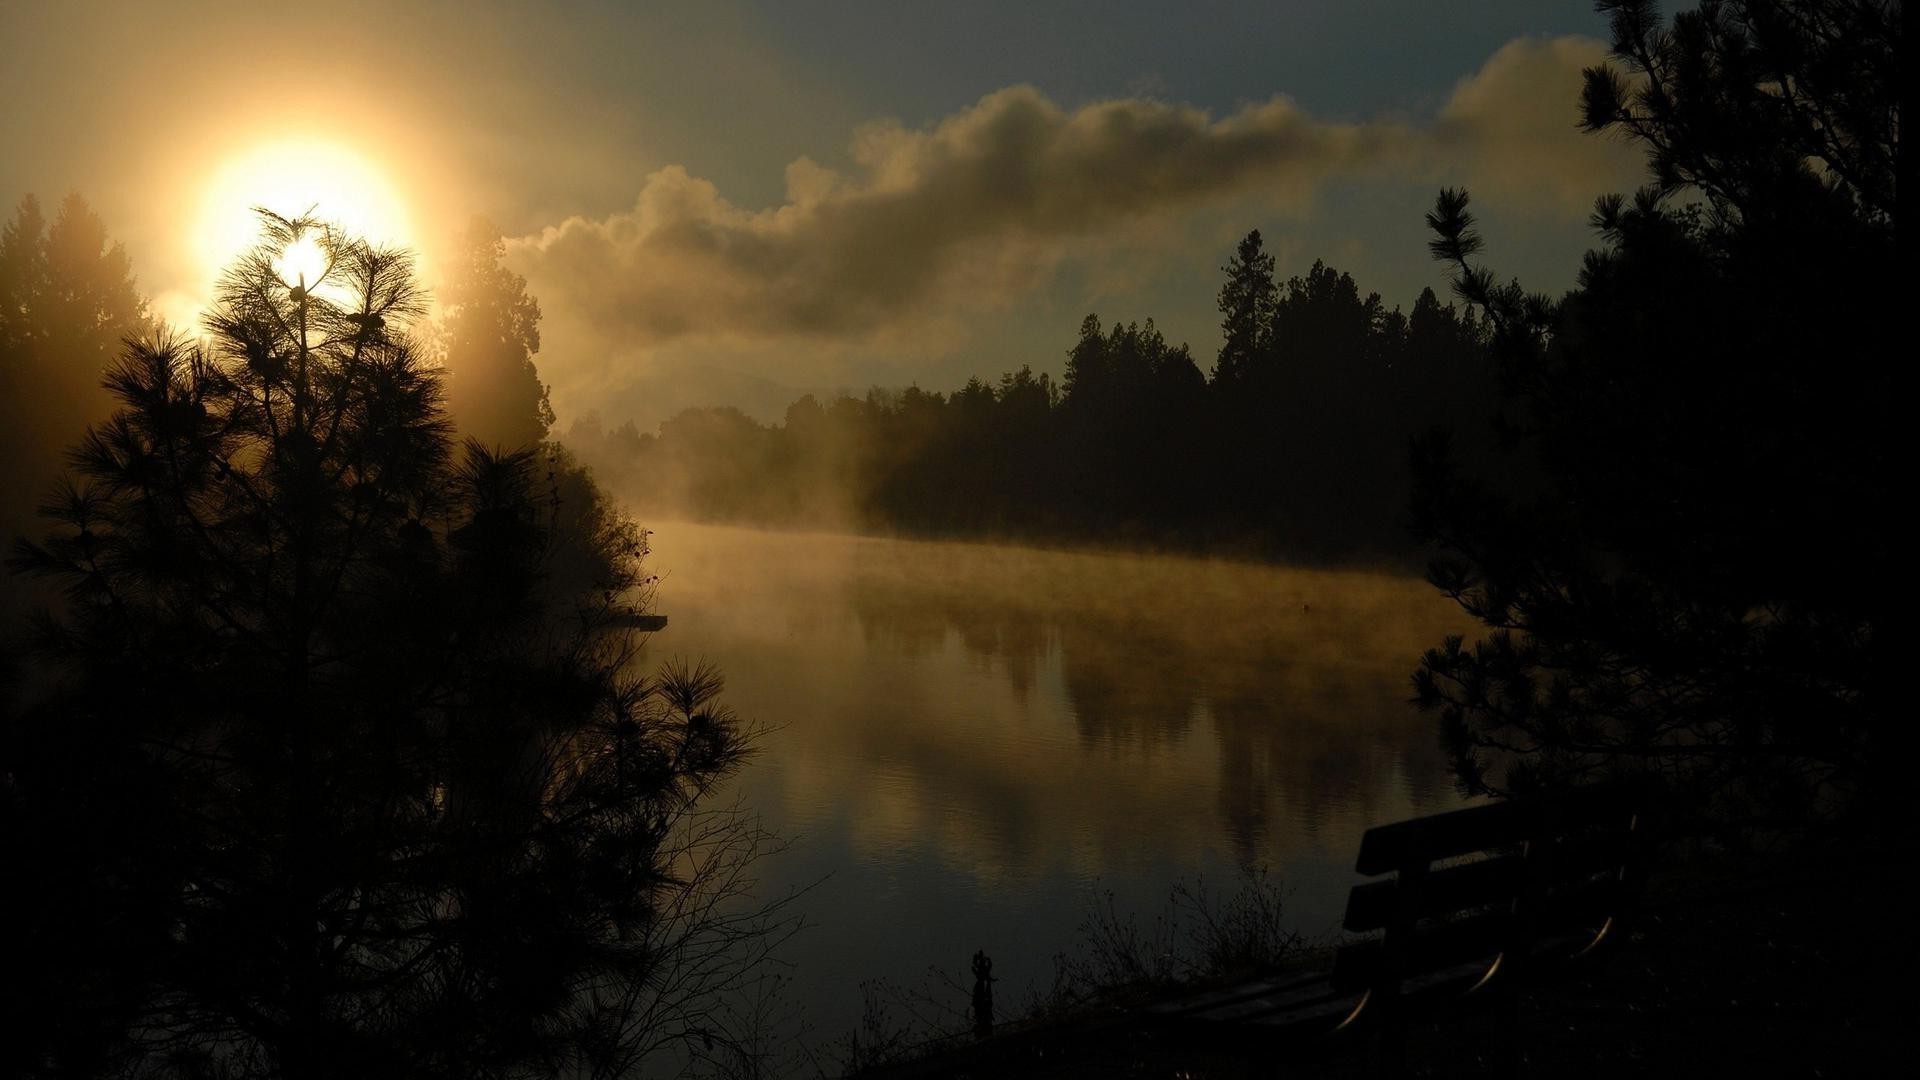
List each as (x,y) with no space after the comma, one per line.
(729,199)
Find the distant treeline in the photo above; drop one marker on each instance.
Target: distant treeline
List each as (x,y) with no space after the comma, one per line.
(1296,446)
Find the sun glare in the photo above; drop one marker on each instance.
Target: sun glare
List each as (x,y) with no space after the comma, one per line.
(303,262)
(334,183)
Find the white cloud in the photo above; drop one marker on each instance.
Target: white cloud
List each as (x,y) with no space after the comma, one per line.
(1510,130)
(986,198)
(978,210)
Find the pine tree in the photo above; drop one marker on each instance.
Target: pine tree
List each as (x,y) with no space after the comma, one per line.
(1684,574)
(1247,303)
(1088,371)
(370,783)
(67,298)
(492,330)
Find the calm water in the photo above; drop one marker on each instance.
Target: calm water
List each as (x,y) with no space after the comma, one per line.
(972,741)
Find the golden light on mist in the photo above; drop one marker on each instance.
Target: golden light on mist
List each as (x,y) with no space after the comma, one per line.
(335,183)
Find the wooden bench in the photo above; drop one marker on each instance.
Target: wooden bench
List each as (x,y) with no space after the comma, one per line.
(1479,901)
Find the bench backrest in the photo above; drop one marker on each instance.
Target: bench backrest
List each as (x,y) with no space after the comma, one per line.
(1519,881)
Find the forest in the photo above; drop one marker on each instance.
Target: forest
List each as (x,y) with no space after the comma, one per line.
(1294,444)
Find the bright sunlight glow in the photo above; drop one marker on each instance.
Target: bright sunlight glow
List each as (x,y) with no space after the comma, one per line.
(291,178)
(302,262)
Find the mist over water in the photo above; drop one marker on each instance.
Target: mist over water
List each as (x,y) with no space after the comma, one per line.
(971,741)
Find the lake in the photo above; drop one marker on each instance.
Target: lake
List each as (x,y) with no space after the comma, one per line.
(970,742)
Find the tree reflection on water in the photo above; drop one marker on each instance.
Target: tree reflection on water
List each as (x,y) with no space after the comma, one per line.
(1017,704)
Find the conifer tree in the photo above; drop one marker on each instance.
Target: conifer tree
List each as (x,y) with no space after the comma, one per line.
(1247,303)
(371,784)
(492,332)
(1684,573)
(67,298)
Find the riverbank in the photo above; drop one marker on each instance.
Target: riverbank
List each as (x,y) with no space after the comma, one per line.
(1792,967)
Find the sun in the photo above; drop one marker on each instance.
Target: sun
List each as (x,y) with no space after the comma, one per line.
(294,177)
(303,262)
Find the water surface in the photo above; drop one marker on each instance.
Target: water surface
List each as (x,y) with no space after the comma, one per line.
(971,741)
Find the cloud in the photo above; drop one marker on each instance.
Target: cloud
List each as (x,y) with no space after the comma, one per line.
(979,210)
(1510,130)
(986,199)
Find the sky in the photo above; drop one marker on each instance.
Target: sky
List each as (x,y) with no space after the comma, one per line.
(733,202)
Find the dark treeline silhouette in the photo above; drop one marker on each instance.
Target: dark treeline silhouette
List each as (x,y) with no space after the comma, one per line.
(67,297)
(1295,447)
(1689,573)
(333,757)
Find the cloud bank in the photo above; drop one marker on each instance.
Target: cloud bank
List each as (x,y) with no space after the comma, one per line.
(983,195)
(982,206)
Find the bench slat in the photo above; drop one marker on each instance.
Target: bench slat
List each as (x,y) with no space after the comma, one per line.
(1386,848)
(1580,908)
(1316,1017)
(1372,905)
(1310,998)
(1359,966)
(1282,984)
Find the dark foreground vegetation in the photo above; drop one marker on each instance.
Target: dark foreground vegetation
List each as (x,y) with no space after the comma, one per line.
(328,754)
(1685,578)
